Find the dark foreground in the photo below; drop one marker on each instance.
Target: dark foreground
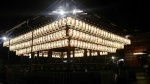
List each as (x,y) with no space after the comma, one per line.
(76,74)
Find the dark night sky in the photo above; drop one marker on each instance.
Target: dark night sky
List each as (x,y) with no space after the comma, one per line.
(131,14)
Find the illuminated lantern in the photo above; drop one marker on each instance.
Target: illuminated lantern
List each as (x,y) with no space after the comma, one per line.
(89,30)
(94,31)
(86,27)
(83,26)
(71,43)
(70,32)
(73,23)
(76,34)
(46,29)
(66,42)
(73,34)
(77,24)
(58,44)
(80,36)
(61,43)
(53,26)
(64,22)
(49,28)
(69,19)
(78,44)
(97,30)
(41,31)
(55,36)
(83,36)
(75,43)
(87,45)
(54,44)
(56,25)
(80,25)
(84,45)
(59,35)
(60,23)
(62,34)
(86,37)
(104,34)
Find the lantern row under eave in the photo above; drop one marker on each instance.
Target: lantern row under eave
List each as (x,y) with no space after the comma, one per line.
(77,53)
(66,32)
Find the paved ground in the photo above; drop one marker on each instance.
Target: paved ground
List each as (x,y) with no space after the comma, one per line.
(141,76)
(141,79)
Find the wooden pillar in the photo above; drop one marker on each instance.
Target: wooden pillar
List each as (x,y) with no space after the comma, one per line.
(85,55)
(49,56)
(43,61)
(105,59)
(21,59)
(32,57)
(73,54)
(90,55)
(62,56)
(98,53)
(98,57)
(68,55)
(37,57)
(32,53)
(68,48)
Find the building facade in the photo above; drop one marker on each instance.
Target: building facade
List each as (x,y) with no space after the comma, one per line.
(137,54)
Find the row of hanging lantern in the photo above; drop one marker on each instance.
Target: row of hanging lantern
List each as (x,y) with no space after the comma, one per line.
(94,53)
(51,45)
(82,26)
(23,51)
(41,54)
(46,46)
(50,28)
(77,53)
(63,43)
(51,37)
(93,39)
(6,43)
(37,41)
(103,53)
(57,54)
(90,46)
(20,46)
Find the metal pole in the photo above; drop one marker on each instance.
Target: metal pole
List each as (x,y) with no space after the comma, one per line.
(8,53)
(32,54)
